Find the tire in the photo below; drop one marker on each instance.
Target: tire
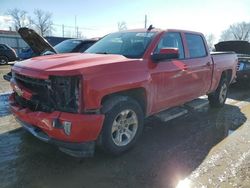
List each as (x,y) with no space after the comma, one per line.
(122,126)
(218,98)
(3,60)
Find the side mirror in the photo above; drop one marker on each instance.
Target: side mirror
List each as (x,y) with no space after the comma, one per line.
(166,53)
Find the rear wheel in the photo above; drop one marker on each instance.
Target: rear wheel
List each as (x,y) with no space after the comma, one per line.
(3,60)
(218,98)
(123,124)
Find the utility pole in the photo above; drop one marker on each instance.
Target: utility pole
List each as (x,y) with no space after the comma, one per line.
(145,22)
(63,30)
(75,27)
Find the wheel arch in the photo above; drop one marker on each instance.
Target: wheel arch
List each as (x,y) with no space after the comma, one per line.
(228,75)
(138,94)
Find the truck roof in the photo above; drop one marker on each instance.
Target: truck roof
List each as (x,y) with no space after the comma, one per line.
(162,30)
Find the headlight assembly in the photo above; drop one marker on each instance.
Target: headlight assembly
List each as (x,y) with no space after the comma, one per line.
(65,92)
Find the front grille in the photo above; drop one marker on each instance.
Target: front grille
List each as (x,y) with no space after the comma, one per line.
(33,105)
(41,99)
(56,93)
(31,81)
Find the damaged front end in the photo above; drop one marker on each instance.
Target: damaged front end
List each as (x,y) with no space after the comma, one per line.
(50,109)
(58,93)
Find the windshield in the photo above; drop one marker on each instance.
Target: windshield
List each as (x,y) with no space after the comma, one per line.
(130,44)
(67,46)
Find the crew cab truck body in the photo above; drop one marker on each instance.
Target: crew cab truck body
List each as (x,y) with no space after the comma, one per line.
(102,96)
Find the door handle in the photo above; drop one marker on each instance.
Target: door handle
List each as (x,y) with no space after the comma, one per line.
(208,63)
(184,68)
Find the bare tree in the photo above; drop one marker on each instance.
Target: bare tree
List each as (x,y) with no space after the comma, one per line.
(19,17)
(42,21)
(122,26)
(210,41)
(237,31)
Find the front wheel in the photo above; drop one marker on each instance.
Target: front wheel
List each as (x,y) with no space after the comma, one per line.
(123,124)
(218,98)
(3,60)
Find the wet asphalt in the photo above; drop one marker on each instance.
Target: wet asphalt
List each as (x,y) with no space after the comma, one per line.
(166,153)
(227,164)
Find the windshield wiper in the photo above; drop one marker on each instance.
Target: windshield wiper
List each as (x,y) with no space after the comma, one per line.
(102,53)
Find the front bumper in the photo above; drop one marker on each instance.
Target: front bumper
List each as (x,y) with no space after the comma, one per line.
(84,149)
(85,128)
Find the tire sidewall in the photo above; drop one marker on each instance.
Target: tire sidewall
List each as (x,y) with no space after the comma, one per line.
(3,58)
(223,82)
(106,137)
(214,99)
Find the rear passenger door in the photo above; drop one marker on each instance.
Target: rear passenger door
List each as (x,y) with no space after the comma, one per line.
(199,65)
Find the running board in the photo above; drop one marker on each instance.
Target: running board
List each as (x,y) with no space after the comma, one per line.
(176,112)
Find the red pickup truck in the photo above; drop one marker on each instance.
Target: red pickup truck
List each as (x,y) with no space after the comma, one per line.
(102,96)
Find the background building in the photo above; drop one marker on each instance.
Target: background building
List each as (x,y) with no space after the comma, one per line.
(15,41)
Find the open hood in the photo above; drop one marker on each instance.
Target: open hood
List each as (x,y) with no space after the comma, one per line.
(37,43)
(239,47)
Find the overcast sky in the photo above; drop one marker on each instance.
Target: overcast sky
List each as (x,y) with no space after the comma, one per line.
(97,18)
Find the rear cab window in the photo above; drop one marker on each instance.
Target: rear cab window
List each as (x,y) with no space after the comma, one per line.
(196,45)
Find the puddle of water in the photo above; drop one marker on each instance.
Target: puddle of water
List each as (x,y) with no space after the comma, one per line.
(4,104)
(10,148)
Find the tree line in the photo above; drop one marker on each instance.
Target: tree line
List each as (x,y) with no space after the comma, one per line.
(236,31)
(41,20)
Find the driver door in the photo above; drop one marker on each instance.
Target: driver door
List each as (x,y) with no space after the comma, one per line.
(168,76)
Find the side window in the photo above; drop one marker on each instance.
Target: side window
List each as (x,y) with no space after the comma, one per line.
(195,45)
(85,46)
(171,40)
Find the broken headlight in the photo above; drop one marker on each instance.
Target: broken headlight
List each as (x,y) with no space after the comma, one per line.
(65,92)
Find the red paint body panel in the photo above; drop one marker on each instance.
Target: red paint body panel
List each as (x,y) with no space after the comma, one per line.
(169,51)
(166,84)
(220,65)
(84,127)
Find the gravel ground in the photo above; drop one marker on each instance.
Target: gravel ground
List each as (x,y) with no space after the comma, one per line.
(4,85)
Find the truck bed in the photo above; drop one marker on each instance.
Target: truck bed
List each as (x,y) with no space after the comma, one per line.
(222,60)
(219,53)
